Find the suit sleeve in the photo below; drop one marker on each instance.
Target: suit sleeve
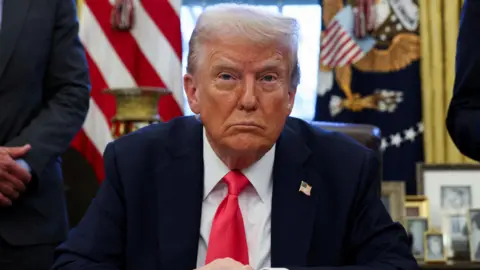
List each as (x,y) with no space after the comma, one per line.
(98,241)
(66,94)
(463,119)
(375,241)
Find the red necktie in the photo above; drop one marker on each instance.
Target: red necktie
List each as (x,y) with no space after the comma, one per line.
(227,235)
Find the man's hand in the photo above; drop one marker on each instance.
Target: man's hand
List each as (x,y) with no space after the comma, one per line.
(13,178)
(225,264)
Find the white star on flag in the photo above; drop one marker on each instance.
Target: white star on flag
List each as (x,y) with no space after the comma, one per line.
(396,139)
(420,127)
(410,134)
(384,144)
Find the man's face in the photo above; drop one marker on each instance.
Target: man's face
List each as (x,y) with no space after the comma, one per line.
(435,245)
(242,93)
(455,198)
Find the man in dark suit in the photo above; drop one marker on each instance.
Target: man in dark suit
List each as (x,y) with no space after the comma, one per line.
(44,95)
(463,119)
(242,185)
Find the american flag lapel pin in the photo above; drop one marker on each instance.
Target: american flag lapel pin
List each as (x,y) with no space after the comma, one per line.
(305,188)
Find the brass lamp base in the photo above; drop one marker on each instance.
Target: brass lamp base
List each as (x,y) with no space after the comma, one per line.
(137,107)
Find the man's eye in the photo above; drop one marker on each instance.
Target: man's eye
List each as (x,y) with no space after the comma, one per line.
(225,76)
(269,78)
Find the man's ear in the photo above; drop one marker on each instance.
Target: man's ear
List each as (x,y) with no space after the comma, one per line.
(291,100)
(191,91)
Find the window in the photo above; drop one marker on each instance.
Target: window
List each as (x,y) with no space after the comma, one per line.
(309,18)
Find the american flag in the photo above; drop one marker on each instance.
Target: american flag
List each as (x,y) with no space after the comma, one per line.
(147,55)
(339,46)
(305,188)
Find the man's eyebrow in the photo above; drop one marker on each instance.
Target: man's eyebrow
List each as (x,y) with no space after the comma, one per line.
(271,67)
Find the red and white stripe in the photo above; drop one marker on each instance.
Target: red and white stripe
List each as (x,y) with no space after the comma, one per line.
(149,55)
(338,48)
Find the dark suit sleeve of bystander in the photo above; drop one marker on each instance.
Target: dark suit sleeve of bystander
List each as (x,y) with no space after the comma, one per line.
(66,94)
(463,119)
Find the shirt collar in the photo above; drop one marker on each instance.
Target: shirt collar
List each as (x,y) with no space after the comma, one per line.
(259,174)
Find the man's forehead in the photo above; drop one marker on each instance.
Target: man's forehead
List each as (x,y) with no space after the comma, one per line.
(236,56)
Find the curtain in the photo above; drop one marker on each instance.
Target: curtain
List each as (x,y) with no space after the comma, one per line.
(439,23)
(79,7)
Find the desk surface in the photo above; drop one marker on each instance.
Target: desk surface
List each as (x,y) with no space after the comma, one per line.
(450,266)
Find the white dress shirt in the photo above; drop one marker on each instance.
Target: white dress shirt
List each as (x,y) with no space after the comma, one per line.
(255,203)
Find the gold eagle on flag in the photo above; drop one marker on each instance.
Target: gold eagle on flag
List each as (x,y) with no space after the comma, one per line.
(397,45)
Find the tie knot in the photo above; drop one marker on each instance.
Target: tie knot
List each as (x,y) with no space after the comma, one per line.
(236,182)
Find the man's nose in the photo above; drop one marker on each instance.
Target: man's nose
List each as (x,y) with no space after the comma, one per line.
(248,100)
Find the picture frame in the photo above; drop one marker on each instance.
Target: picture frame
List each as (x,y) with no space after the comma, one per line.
(455,234)
(393,197)
(474,234)
(417,227)
(416,206)
(448,188)
(434,247)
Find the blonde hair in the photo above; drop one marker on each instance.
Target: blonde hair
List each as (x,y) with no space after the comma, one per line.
(262,27)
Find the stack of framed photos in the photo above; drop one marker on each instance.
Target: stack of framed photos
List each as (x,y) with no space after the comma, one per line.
(444,218)
(453,193)
(417,223)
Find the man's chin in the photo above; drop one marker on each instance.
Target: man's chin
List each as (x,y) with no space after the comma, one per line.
(246,143)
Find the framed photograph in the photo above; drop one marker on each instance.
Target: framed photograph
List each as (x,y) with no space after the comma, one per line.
(455,233)
(474,234)
(393,197)
(449,188)
(455,197)
(417,227)
(434,248)
(416,206)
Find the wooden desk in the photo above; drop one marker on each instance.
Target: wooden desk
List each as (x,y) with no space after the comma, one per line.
(450,266)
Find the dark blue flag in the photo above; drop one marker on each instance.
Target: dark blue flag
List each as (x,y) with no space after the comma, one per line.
(377,84)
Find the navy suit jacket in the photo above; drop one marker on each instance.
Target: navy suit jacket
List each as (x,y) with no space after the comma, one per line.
(44,99)
(463,120)
(147,212)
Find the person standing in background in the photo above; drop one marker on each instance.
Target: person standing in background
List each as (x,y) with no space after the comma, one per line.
(463,119)
(44,99)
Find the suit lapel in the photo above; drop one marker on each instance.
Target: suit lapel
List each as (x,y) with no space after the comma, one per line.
(180,193)
(293,212)
(14,14)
